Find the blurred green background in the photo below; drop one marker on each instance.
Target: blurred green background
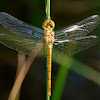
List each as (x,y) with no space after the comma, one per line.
(82,82)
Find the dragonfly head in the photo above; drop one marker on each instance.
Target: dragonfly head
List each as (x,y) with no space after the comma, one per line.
(48,24)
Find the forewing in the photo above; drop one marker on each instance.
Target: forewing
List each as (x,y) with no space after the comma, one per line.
(23,44)
(81,28)
(75,45)
(19,27)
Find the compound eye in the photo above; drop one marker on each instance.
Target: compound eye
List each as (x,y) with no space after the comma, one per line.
(44,25)
(52,24)
(48,23)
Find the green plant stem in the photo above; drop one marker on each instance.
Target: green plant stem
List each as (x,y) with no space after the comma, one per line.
(48,9)
(47,17)
(48,98)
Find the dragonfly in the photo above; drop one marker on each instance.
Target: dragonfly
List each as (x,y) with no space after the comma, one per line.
(31,40)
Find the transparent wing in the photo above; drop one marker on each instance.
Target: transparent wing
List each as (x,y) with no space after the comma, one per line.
(19,27)
(23,44)
(81,28)
(74,38)
(72,46)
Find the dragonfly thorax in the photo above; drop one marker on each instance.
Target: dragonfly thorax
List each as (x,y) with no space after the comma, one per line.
(48,26)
